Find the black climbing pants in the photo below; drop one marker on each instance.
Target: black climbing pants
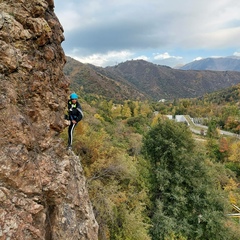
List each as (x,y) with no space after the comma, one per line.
(70,133)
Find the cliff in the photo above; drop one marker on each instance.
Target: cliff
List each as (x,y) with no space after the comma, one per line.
(42,187)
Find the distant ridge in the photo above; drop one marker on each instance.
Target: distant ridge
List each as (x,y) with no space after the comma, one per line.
(231,63)
(95,80)
(139,80)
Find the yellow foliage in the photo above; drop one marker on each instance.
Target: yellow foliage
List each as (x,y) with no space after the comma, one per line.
(97,116)
(234,155)
(79,130)
(126,111)
(136,109)
(232,198)
(116,111)
(231,185)
(156,119)
(119,197)
(145,109)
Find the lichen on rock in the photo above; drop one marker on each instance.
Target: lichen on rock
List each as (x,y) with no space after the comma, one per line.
(42,187)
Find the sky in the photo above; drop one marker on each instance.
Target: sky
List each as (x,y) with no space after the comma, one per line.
(164,32)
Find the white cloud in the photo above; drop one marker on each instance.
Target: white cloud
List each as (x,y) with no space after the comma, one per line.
(237,54)
(76,16)
(111,31)
(216,56)
(142,57)
(108,59)
(166,55)
(197,58)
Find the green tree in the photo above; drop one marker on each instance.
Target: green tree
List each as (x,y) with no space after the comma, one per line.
(212,131)
(187,202)
(105,110)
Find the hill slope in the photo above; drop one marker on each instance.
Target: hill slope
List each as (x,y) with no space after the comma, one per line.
(139,79)
(214,64)
(223,96)
(95,80)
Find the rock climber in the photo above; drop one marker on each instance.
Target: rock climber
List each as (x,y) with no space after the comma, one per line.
(75,115)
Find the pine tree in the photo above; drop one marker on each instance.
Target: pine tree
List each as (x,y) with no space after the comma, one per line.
(187,202)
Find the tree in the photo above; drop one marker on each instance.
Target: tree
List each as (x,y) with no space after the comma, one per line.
(212,131)
(115,185)
(126,111)
(136,109)
(116,111)
(145,109)
(187,202)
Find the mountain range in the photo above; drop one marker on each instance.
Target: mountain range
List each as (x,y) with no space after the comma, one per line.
(140,80)
(231,63)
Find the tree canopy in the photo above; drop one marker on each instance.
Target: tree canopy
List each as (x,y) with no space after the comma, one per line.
(188,203)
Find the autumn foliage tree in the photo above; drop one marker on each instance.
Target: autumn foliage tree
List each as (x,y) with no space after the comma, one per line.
(173,189)
(110,154)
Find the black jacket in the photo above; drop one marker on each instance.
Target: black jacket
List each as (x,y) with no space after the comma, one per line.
(75,111)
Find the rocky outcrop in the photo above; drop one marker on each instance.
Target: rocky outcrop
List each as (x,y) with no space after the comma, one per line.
(42,187)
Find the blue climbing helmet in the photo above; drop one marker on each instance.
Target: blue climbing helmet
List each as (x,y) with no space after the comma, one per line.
(73,96)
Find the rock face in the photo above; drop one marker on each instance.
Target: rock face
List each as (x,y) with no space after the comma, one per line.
(42,187)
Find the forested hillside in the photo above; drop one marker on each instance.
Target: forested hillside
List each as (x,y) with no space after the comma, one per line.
(93,82)
(150,177)
(141,80)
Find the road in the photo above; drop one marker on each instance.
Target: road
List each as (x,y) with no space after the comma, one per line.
(198,128)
